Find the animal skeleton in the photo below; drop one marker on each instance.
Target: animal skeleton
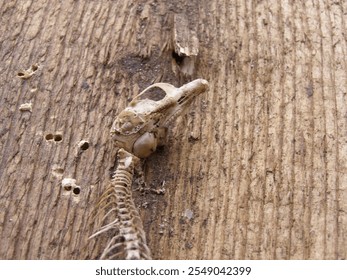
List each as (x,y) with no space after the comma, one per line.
(137,131)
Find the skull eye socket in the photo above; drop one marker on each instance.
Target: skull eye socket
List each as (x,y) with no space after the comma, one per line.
(153,93)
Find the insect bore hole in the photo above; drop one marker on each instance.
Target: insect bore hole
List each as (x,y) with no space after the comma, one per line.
(83,145)
(34,67)
(49,137)
(76,191)
(58,138)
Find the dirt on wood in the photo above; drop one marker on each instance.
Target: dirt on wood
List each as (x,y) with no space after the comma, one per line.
(257,169)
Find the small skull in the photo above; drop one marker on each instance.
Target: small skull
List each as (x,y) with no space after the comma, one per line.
(142,126)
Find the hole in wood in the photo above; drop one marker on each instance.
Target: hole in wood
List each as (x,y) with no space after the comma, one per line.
(34,67)
(20,74)
(83,145)
(76,190)
(179,59)
(49,137)
(58,138)
(67,188)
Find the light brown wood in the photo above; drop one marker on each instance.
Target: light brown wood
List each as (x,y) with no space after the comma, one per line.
(256,170)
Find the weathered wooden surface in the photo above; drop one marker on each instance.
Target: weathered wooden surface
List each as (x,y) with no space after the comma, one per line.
(257,169)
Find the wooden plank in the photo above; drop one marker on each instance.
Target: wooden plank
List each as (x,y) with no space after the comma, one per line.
(256,170)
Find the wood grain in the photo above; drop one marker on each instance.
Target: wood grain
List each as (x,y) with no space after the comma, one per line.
(256,170)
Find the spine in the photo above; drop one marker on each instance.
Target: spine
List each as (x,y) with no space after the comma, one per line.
(124,225)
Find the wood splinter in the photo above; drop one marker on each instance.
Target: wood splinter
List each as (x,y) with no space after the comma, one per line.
(186,44)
